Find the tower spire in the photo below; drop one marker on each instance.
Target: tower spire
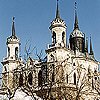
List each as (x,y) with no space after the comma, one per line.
(86,45)
(91,50)
(76,18)
(57,10)
(13,27)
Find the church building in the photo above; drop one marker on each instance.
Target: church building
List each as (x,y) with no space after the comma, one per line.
(68,72)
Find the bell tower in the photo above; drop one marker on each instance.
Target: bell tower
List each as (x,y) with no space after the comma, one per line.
(11,61)
(13,44)
(57,48)
(58,30)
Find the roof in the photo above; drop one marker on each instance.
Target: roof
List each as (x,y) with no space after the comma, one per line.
(77,33)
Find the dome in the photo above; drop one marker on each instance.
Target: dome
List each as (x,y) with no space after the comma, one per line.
(77,33)
(58,22)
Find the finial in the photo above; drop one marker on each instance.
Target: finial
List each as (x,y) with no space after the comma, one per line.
(57,11)
(75,5)
(91,51)
(13,19)
(13,27)
(76,19)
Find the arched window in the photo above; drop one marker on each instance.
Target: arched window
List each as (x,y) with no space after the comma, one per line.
(30,78)
(16,52)
(8,51)
(44,73)
(73,64)
(52,57)
(74,78)
(54,37)
(40,78)
(63,36)
(95,78)
(21,80)
(53,79)
(67,78)
(95,71)
(53,75)
(92,84)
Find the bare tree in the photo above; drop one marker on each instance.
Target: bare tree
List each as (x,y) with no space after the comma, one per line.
(28,50)
(39,55)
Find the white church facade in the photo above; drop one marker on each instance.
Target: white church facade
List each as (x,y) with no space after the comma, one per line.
(68,67)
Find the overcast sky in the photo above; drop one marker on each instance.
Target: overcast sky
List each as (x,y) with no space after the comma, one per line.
(33,18)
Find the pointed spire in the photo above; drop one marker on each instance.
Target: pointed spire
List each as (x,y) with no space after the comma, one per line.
(91,51)
(13,27)
(57,11)
(86,44)
(76,18)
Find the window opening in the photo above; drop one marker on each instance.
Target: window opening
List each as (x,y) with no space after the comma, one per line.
(30,78)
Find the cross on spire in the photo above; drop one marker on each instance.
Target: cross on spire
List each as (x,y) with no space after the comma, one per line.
(75,5)
(76,19)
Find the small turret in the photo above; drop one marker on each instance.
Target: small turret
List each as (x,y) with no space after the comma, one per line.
(77,40)
(86,45)
(13,44)
(11,61)
(58,30)
(91,51)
